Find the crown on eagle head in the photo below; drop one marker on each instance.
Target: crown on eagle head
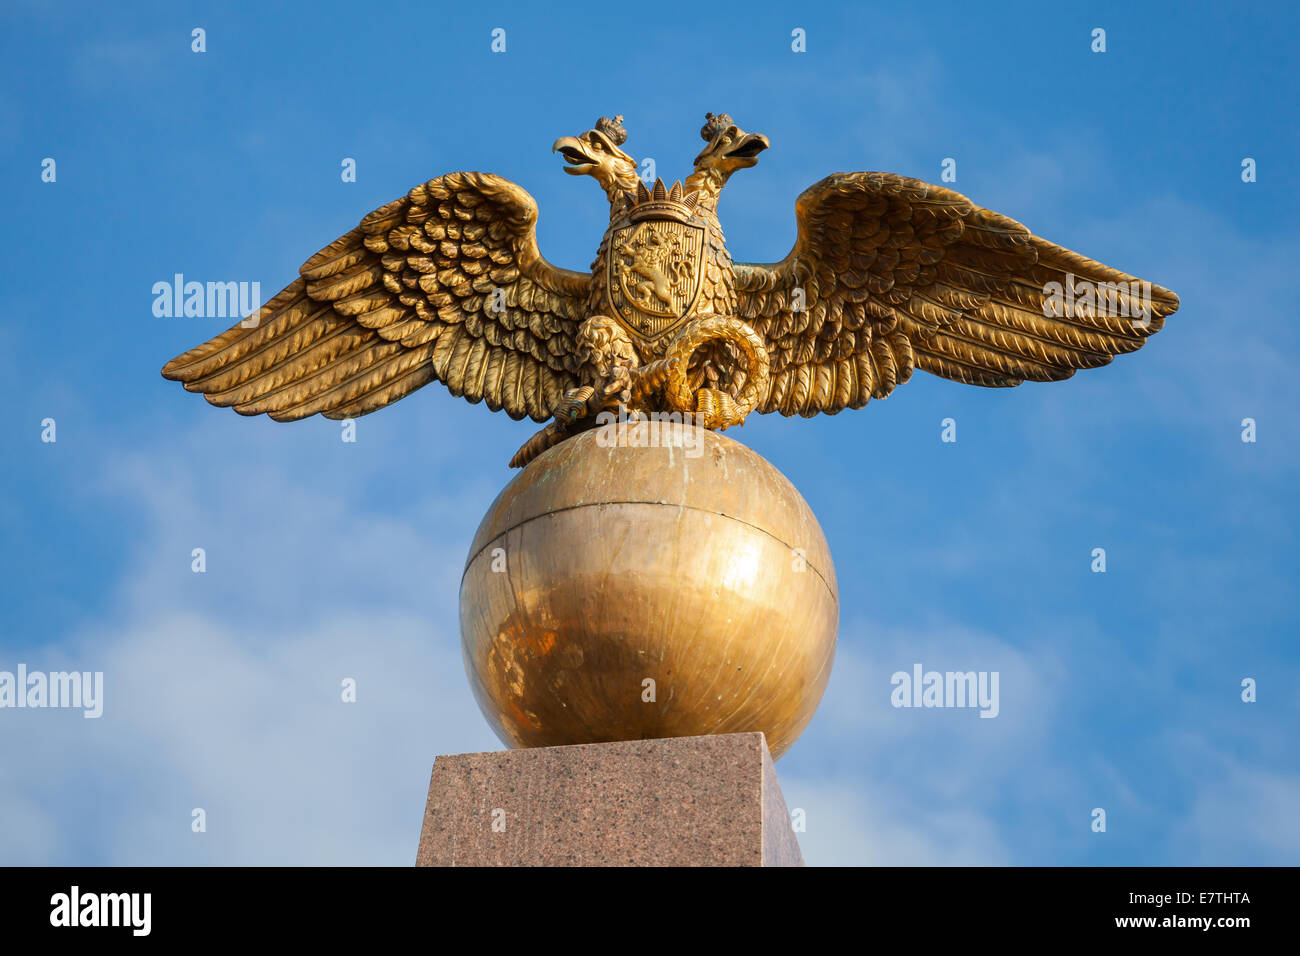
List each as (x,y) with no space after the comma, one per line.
(613,128)
(713,125)
(662,202)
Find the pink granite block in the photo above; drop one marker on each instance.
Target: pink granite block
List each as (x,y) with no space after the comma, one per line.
(680,801)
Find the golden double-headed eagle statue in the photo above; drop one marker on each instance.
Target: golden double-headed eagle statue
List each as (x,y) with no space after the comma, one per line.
(888,274)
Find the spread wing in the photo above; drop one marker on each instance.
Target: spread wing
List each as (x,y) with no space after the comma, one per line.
(445,284)
(897,274)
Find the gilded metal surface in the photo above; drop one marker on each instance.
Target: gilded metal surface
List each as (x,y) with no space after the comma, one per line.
(887,275)
(605,565)
(654,273)
(630,564)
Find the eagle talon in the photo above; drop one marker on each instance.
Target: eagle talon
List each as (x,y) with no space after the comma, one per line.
(575,404)
(717,410)
(620,383)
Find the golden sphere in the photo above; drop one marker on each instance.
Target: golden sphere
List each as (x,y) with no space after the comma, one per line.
(648,580)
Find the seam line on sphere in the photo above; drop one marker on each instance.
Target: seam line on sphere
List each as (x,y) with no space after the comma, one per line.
(708,511)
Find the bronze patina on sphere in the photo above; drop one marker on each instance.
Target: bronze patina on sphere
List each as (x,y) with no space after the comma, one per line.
(645,580)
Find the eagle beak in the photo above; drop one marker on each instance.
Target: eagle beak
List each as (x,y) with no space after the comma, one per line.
(741,153)
(749,147)
(575,154)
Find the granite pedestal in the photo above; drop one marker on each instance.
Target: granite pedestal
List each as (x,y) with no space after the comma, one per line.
(681,801)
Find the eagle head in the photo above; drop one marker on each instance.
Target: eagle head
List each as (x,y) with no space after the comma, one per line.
(596,153)
(730,147)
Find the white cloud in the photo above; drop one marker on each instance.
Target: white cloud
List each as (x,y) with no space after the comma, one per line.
(223,689)
(1244,812)
(903,786)
(852,824)
(251,728)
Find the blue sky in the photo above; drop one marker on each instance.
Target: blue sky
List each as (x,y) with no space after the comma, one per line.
(1118,690)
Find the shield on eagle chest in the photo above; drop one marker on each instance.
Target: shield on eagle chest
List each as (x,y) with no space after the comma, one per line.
(655,272)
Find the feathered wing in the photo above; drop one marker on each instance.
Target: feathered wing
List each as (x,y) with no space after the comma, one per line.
(406,298)
(898,274)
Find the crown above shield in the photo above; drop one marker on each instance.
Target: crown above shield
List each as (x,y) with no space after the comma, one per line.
(663,203)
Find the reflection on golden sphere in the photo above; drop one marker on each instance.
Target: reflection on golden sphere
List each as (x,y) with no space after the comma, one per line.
(622,592)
